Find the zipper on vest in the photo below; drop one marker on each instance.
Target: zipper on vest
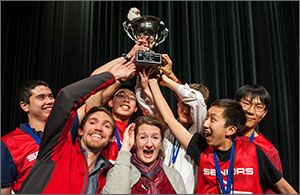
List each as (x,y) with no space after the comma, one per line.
(85,175)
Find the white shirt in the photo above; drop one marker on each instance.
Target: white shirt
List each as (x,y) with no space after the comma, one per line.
(184,163)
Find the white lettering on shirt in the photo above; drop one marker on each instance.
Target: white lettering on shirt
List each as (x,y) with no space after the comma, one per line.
(32,156)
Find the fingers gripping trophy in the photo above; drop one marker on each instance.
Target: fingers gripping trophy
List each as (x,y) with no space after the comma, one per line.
(150,28)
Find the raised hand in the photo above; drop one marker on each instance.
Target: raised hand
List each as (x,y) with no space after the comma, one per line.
(124,71)
(167,68)
(141,45)
(144,79)
(128,139)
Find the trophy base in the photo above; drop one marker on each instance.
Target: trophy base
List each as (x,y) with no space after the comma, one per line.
(147,60)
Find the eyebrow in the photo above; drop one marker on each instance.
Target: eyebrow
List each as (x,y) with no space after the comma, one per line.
(213,115)
(105,121)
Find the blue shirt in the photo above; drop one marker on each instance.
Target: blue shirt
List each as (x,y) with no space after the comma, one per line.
(93,175)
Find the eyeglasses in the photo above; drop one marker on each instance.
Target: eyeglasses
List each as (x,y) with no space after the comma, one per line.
(257,107)
(123,95)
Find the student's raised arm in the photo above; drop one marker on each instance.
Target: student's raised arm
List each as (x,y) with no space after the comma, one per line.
(100,98)
(181,134)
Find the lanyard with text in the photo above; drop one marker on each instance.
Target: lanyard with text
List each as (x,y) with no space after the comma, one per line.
(175,152)
(34,136)
(252,137)
(118,139)
(229,180)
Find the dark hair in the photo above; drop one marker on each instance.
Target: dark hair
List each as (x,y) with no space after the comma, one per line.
(254,91)
(149,120)
(24,91)
(202,88)
(233,113)
(97,109)
(124,86)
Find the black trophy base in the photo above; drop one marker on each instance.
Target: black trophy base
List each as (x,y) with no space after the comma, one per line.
(148,59)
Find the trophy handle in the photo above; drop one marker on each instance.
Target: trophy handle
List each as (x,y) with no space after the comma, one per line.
(128,29)
(163,35)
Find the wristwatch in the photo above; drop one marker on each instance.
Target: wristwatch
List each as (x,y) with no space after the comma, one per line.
(125,56)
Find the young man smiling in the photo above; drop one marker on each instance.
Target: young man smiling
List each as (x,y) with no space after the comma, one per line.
(256,101)
(19,148)
(242,165)
(123,105)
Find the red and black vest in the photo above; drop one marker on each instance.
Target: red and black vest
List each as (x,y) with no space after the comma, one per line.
(24,150)
(246,172)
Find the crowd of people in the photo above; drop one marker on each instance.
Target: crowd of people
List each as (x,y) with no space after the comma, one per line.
(81,142)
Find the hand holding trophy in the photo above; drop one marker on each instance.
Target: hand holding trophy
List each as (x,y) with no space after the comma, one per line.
(148,28)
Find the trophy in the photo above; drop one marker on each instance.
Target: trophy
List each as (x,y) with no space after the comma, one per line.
(155,32)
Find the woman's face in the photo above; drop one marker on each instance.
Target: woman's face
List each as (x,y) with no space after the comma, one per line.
(148,142)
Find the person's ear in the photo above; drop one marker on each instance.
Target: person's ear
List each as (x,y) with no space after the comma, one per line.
(80,132)
(136,108)
(266,111)
(24,106)
(110,103)
(230,131)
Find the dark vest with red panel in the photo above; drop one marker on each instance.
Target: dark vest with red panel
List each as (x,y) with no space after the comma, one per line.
(246,172)
(24,150)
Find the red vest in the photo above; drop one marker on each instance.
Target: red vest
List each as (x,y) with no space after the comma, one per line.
(110,153)
(246,173)
(24,150)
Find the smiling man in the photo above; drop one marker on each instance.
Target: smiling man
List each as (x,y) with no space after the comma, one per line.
(67,166)
(123,105)
(256,101)
(19,148)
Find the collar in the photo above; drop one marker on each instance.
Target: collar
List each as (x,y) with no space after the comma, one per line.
(39,133)
(104,163)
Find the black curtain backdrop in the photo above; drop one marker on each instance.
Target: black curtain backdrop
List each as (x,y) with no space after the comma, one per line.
(223,45)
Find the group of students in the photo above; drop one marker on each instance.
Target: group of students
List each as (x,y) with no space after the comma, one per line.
(85,148)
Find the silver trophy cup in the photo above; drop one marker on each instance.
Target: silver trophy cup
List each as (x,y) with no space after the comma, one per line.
(155,32)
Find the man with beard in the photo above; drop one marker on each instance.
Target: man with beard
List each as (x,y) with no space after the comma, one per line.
(65,166)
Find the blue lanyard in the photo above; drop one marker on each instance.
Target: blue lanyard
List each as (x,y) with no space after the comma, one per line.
(174,156)
(34,136)
(118,139)
(229,181)
(252,137)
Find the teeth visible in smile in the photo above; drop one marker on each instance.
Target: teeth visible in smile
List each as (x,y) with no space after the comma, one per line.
(96,135)
(126,107)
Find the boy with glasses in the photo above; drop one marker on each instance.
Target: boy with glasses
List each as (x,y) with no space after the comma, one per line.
(255,101)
